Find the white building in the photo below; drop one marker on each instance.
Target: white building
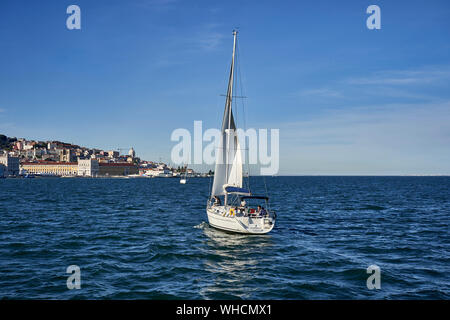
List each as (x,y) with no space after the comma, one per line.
(88,167)
(11,165)
(160,171)
(28,145)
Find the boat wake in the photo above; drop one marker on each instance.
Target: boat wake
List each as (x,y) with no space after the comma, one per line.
(202,225)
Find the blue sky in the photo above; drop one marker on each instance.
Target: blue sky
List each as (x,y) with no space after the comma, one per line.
(347,100)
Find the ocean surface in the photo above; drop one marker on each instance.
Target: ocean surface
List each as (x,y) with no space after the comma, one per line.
(149,239)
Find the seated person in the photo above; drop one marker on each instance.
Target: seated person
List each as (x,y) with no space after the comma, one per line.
(262,212)
(253,212)
(216,201)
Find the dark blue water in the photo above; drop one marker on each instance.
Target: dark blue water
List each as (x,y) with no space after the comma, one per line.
(148,239)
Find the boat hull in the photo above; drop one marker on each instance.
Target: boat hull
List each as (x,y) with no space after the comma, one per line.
(219,219)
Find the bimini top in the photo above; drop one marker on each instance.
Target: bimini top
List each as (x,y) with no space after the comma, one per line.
(237,190)
(255,197)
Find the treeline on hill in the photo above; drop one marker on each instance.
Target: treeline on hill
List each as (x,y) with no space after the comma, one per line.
(5,142)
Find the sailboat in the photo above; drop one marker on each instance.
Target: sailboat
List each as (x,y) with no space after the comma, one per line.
(183,180)
(235,213)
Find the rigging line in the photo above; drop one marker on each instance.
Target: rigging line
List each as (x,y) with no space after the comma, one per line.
(267,193)
(210,190)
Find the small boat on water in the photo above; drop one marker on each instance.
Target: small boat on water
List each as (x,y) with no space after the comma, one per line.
(183,179)
(229,207)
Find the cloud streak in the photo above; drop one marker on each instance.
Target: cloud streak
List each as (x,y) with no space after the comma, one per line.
(320,92)
(403,77)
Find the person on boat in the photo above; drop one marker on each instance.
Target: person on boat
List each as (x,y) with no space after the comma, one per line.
(217,201)
(241,208)
(261,211)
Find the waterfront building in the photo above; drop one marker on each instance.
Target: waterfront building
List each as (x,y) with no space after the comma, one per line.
(39,153)
(18,145)
(11,165)
(117,169)
(88,167)
(51,168)
(131,153)
(113,154)
(160,171)
(67,155)
(29,145)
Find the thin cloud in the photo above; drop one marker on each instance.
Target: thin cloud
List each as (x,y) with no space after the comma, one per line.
(403,77)
(157,4)
(320,92)
(207,38)
(391,86)
(210,41)
(204,38)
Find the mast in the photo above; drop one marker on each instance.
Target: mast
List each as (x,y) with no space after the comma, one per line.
(227,154)
(230,104)
(230,97)
(230,81)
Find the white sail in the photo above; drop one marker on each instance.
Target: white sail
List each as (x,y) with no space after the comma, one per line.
(228,168)
(235,174)
(219,171)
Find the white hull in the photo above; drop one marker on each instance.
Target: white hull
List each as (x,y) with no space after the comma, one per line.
(183,181)
(219,217)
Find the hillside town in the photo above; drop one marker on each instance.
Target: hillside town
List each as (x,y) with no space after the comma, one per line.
(20,157)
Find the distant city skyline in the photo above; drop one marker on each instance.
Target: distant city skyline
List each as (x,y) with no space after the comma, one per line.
(347,100)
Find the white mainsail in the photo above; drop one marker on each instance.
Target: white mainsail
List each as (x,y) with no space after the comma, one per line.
(235,174)
(228,170)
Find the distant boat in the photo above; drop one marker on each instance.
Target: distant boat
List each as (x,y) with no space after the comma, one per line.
(183,180)
(235,214)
